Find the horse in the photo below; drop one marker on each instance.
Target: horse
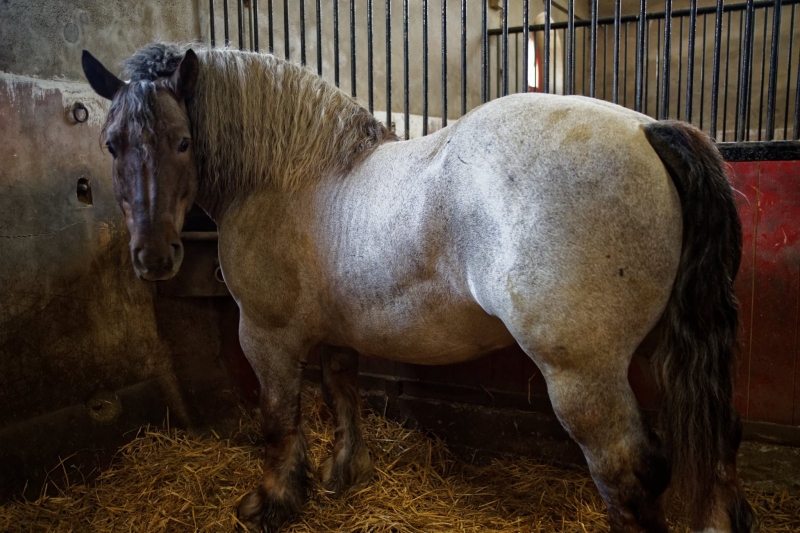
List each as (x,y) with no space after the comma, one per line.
(570,226)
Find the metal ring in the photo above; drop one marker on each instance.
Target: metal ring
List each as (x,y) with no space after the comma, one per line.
(218,275)
(80,113)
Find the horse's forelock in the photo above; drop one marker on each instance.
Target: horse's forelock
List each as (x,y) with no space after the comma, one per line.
(156,60)
(133,105)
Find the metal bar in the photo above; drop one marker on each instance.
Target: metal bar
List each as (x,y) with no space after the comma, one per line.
(583,63)
(640,55)
(463,57)
(569,38)
(211,20)
(546,66)
(499,77)
(715,74)
(444,63)
(485,53)
(703,73)
(796,123)
(647,69)
(658,69)
(225,22)
(680,70)
(424,67)
(625,70)
(763,151)
(773,70)
(405,69)
(271,27)
(748,27)
(564,62)
(255,25)
(727,64)
(666,64)
(336,42)
(788,76)
(504,49)
(240,24)
(593,51)
(763,66)
(389,64)
(370,61)
(605,49)
(353,84)
(302,32)
(690,61)
(525,45)
(739,73)
(750,83)
(617,16)
(516,64)
(286,48)
(319,38)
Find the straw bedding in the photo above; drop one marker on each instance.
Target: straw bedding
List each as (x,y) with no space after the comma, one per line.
(169,481)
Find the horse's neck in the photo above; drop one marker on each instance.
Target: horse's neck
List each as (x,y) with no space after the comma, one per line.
(390,164)
(212,202)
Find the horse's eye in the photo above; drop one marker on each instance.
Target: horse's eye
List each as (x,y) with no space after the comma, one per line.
(184,145)
(111,150)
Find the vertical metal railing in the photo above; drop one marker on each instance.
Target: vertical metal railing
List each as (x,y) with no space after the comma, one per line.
(715,78)
(353,85)
(765,78)
(389,64)
(370,60)
(424,67)
(617,19)
(406,101)
(463,57)
(444,63)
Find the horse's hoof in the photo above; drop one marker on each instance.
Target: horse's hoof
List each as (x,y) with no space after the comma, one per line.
(261,515)
(338,478)
(331,478)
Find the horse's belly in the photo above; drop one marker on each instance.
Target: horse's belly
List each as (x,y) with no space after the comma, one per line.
(429,338)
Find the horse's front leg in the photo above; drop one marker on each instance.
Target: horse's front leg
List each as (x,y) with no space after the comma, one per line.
(349,465)
(278,358)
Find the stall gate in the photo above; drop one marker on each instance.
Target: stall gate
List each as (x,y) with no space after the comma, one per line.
(731,69)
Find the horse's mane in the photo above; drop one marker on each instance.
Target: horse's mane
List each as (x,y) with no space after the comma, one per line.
(259,120)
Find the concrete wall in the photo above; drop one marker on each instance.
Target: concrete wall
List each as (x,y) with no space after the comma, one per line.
(87,351)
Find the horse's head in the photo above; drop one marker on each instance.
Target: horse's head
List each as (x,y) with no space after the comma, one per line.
(153,170)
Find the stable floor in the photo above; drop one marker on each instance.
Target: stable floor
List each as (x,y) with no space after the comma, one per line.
(168,480)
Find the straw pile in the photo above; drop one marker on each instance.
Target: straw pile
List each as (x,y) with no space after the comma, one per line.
(168,480)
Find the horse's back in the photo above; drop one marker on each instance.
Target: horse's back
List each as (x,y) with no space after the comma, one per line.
(570,224)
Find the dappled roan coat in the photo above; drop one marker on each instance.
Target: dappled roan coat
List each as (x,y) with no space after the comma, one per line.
(571,226)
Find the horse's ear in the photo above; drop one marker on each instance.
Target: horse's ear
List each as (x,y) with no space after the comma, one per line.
(102,81)
(184,79)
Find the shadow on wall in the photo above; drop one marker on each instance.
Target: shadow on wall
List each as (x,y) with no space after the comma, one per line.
(87,351)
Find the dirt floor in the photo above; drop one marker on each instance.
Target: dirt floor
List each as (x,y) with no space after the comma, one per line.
(169,481)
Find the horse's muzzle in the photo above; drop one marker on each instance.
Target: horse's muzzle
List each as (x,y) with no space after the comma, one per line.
(154,264)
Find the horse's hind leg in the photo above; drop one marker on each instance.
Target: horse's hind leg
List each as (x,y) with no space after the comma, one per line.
(731,512)
(598,409)
(349,465)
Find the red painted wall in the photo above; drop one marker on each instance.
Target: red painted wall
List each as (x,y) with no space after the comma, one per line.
(768,288)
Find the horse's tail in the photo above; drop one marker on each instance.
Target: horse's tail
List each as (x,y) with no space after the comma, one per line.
(695,361)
